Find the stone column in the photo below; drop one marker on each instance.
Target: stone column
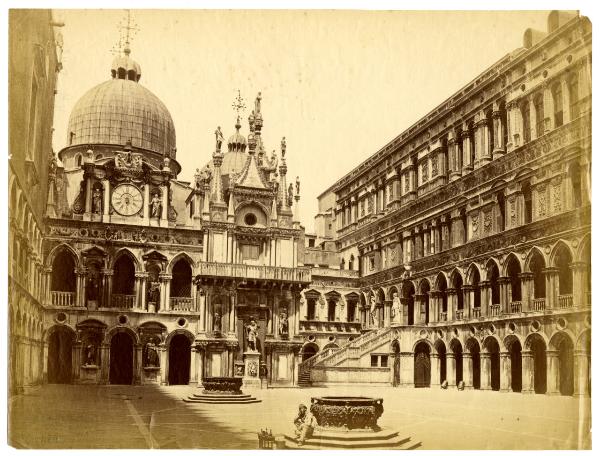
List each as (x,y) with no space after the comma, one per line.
(486,371)
(526,290)
(552,373)
(137,365)
(407,370)
(435,370)
(104,362)
(548,109)
(527,371)
(551,275)
(146,210)
(426,241)
(165,205)
(387,313)
(505,295)
(468,369)
(582,373)
(455,165)
(106,202)
(486,296)
(499,146)
(451,311)
(202,309)
(143,287)
(580,286)
(505,372)
(165,292)
(566,99)
(513,129)
(451,368)
(466,152)
(483,154)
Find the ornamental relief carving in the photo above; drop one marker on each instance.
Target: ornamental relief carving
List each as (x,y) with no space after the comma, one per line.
(425,171)
(434,167)
(475,223)
(487,221)
(542,200)
(556,194)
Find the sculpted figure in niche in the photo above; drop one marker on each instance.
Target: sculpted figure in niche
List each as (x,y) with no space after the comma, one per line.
(151,359)
(290,197)
(217,322)
(395,306)
(252,335)
(97,201)
(90,355)
(155,205)
(283,324)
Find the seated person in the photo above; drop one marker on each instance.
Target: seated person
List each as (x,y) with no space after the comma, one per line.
(305,423)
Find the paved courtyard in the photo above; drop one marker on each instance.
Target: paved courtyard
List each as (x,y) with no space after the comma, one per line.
(73,416)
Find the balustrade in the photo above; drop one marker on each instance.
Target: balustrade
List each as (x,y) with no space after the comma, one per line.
(182,304)
(123,301)
(300,274)
(515,307)
(63,298)
(476,312)
(538,304)
(443,316)
(459,314)
(495,310)
(565,301)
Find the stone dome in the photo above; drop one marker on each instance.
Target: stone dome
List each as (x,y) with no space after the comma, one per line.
(119,110)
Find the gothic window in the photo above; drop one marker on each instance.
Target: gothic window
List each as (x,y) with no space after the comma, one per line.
(494,285)
(513,270)
(457,284)
(536,266)
(63,272)
(124,276)
(181,283)
(565,275)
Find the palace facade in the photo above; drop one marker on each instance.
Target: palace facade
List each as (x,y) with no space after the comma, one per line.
(470,234)
(457,255)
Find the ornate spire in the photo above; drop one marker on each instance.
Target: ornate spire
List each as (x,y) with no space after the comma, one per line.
(237,142)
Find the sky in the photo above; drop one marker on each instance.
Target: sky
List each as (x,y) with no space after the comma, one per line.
(338,85)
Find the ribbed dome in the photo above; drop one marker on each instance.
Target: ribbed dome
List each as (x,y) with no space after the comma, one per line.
(120,110)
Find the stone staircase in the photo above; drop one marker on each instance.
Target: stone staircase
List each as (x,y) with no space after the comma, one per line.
(344,355)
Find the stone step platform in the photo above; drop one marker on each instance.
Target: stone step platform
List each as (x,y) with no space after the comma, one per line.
(353,440)
(222,399)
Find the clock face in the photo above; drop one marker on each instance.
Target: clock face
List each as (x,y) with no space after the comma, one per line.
(127,199)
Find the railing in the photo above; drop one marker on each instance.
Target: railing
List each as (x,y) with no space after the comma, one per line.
(538,304)
(495,310)
(476,312)
(515,307)
(443,316)
(63,298)
(353,350)
(459,314)
(182,303)
(123,301)
(246,271)
(330,326)
(565,301)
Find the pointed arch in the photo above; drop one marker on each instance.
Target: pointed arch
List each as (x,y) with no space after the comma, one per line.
(125,251)
(561,258)
(57,249)
(584,249)
(181,256)
(113,330)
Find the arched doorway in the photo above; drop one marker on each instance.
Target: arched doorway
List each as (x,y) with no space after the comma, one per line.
(538,350)
(493,350)
(408,292)
(422,366)
(441,352)
(563,344)
(121,359)
(457,350)
(516,365)
(473,347)
(309,350)
(60,348)
(179,360)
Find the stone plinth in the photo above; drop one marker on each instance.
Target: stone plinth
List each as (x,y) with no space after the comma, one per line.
(151,375)
(222,390)
(89,373)
(251,377)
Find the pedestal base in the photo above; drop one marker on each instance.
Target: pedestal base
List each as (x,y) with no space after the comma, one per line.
(353,440)
(251,379)
(89,373)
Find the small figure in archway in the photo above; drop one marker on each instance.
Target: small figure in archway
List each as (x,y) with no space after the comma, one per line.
(90,355)
(217,322)
(152,359)
(251,335)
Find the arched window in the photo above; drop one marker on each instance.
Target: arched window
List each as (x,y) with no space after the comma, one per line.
(124,276)
(442,286)
(63,272)
(408,293)
(493,275)
(475,284)
(562,261)
(457,284)
(424,291)
(342,264)
(513,270)
(557,97)
(536,266)
(78,160)
(527,202)
(181,283)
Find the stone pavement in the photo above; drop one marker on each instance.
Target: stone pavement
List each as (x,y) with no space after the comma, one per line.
(78,416)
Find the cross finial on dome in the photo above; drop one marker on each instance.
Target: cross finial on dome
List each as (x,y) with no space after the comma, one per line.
(123,66)
(238,105)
